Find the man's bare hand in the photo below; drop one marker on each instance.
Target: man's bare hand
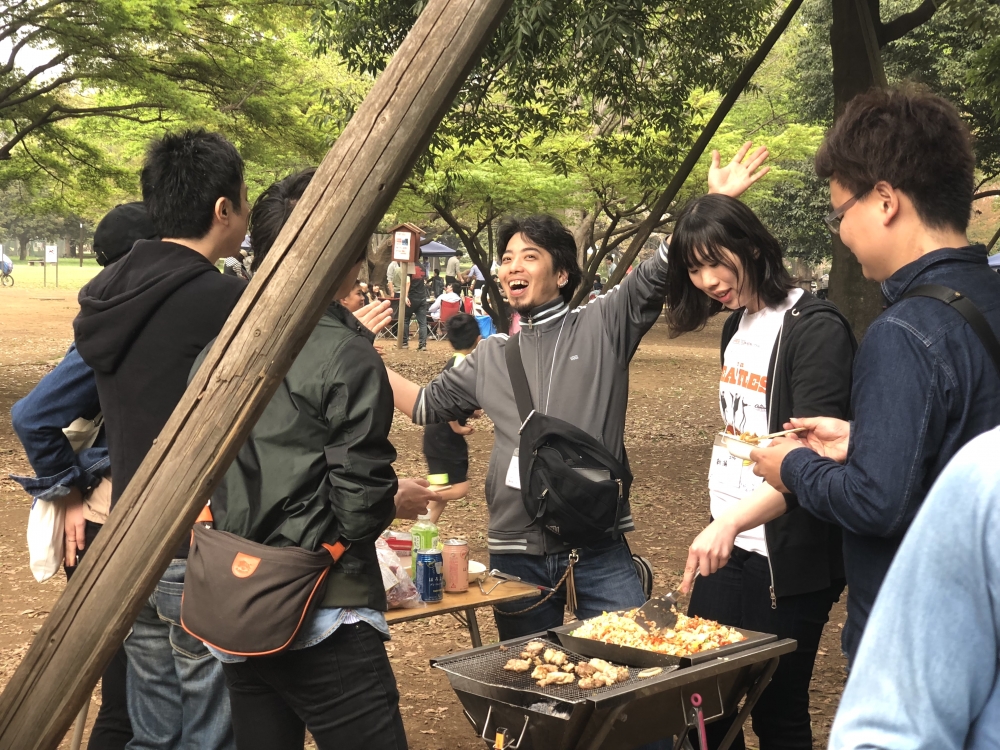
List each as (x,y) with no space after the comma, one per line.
(75,525)
(375,316)
(709,552)
(412,497)
(461,429)
(767,461)
(734,178)
(827,436)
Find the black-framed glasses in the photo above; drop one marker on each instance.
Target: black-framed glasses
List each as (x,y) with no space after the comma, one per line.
(833,218)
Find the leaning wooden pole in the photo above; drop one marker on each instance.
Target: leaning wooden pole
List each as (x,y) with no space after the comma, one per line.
(659,208)
(338,213)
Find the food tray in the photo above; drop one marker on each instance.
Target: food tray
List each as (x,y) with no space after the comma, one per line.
(637,657)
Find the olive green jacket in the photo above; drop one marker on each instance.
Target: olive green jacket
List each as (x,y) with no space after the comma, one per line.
(318,465)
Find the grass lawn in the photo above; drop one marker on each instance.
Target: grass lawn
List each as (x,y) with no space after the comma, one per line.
(71,275)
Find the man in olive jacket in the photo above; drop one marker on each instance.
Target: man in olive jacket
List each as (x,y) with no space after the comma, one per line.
(317,468)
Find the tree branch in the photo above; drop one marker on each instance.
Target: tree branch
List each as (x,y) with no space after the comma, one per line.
(907,22)
(985,194)
(29,77)
(51,86)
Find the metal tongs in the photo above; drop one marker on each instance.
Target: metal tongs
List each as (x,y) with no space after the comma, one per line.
(502,578)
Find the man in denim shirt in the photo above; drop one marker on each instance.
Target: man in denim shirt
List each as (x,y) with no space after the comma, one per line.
(927,674)
(901,172)
(65,394)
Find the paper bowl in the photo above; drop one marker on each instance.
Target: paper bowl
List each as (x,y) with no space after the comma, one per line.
(476,569)
(740,449)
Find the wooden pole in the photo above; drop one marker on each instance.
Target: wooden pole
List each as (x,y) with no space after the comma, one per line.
(320,242)
(652,221)
(404,290)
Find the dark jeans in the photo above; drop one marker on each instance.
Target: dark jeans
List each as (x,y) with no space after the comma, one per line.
(605,581)
(342,689)
(418,308)
(739,595)
(112,729)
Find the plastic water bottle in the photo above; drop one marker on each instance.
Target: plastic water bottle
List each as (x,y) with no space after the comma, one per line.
(425,536)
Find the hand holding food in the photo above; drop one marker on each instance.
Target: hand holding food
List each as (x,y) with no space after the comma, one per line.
(827,436)
(767,461)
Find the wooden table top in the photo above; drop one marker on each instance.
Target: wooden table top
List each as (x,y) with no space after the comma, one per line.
(506,592)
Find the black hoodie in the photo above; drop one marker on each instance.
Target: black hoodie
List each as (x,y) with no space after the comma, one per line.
(143,321)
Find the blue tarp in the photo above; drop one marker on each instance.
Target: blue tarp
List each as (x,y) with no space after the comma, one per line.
(486,326)
(994,260)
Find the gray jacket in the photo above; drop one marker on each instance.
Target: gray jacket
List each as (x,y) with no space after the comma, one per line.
(577,366)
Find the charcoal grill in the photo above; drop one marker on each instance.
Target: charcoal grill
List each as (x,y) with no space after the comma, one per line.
(616,717)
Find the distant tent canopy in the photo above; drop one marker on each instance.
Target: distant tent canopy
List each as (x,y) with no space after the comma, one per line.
(436,250)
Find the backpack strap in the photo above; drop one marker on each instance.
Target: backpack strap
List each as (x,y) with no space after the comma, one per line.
(967,309)
(519,381)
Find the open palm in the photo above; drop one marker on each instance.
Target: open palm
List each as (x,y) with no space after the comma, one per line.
(734,178)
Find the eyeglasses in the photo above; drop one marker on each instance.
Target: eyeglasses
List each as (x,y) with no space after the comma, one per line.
(833,218)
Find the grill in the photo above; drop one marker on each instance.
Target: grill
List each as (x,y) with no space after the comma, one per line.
(616,717)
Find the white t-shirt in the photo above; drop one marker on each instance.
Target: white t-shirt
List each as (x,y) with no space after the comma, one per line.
(743,402)
(451,268)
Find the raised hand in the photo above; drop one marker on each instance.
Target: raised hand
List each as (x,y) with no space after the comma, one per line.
(375,315)
(734,178)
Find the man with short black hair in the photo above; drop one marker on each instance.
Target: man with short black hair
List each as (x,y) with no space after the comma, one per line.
(142,323)
(901,170)
(577,366)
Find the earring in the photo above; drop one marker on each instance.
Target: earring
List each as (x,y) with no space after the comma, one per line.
(562,284)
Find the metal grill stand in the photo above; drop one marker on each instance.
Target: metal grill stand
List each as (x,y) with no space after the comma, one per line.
(617,717)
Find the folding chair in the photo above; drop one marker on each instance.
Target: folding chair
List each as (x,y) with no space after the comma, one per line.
(448,309)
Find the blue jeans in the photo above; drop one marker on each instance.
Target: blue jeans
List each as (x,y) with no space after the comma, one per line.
(605,580)
(177,695)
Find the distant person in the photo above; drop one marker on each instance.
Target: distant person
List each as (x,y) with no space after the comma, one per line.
(239,264)
(142,323)
(355,300)
(445,448)
(452,296)
(393,278)
(437,283)
(453,271)
(416,305)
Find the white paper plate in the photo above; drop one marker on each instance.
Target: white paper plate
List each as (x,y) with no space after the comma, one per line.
(476,569)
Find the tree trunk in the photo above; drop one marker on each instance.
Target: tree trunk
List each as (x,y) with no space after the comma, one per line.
(378,262)
(857,67)
(335,218)
(22,247)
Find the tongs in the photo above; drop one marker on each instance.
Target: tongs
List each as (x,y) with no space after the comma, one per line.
(503,578)
(658,613)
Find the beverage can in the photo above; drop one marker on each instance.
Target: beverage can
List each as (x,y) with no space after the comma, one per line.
(429,576)
(456,566)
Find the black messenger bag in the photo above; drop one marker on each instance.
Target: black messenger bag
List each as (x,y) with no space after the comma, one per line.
(570,483)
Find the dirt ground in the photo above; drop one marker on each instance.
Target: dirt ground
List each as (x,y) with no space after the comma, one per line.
(673,412)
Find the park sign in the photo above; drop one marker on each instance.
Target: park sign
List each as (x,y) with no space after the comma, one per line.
(405,243)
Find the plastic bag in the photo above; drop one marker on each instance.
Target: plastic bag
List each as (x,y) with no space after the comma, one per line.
(399,589)
(46,538)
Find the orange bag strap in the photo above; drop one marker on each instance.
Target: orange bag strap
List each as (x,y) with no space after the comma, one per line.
(336,550)
(205,516)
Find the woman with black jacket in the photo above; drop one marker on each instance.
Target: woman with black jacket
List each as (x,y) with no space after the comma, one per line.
(785,354)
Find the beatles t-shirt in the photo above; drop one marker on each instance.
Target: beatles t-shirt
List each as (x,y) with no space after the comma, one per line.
(743,402)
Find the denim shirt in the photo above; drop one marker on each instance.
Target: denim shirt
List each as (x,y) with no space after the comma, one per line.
(924,386)
(927,676)
(63,395)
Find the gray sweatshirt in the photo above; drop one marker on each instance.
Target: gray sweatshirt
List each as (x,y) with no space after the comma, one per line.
(577,366)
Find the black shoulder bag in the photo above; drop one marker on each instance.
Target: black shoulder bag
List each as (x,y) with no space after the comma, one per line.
(570,483)
(964,307)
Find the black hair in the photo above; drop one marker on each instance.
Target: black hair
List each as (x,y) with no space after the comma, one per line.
(462,330)
(914,140)
(549,234)
(437,271)
(183,177)
(271,210)
(706,228)
(456,287)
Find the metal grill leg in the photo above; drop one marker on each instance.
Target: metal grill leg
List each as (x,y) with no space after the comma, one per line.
(473,623)
(753,695)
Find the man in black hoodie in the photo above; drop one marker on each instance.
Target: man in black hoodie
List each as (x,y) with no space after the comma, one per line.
(142,323)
